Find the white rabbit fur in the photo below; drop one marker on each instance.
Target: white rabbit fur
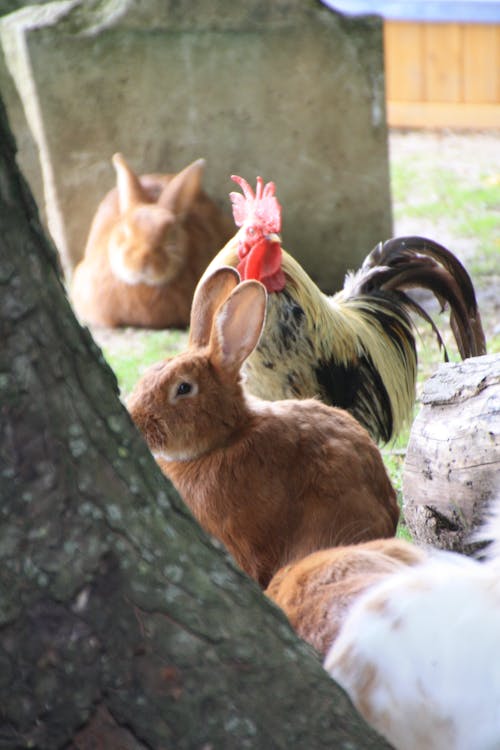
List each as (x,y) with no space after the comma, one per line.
(273,481)
(418,653)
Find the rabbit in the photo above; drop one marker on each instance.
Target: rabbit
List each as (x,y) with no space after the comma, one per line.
(418,652)
(149,243)
(317,592)
(272,480)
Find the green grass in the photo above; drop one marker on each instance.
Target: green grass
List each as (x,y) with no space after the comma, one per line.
(444,195)
(137,350)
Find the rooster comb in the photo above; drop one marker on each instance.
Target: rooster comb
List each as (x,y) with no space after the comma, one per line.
(260,208)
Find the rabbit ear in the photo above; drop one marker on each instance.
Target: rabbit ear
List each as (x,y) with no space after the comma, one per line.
(182,189)
(237,326)
(130,191)
(209,295)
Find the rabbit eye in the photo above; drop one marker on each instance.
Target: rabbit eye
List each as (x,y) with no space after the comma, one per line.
(183,389)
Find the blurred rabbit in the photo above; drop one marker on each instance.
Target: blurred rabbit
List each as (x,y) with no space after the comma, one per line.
(317,592)
(273,481)
(418,653)
(150,241)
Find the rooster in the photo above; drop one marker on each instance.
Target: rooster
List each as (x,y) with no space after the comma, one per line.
(355,349)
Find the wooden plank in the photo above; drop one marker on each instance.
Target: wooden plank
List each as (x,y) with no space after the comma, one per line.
(481,63)
(442,75)
(401,114)
(442,62)
(497,62)
(403,61)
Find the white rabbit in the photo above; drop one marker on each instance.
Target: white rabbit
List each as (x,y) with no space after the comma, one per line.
(419,653)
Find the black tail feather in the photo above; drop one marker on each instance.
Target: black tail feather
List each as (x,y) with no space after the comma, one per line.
(406,263)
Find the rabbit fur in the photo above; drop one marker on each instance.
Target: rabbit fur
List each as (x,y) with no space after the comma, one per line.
(418,652)
(149,243)
(273,481)
(317,592)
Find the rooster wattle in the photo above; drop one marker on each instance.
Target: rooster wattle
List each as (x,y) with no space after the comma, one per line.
(355,349)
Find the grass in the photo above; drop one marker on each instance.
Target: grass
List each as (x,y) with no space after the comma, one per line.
(131,354)
(472,209)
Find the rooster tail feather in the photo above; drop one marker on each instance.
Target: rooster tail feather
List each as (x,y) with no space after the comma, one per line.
(411,262)
(411,304)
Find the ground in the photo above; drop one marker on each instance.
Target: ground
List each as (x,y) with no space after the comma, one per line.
(446,185)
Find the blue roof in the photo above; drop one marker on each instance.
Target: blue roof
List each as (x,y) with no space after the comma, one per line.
(465,11)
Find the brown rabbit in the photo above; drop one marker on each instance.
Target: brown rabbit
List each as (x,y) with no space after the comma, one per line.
(150,241)
(273,481)
(317,592)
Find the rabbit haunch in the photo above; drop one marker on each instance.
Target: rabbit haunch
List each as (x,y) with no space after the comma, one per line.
(317,592)
(150,240)
(273,481)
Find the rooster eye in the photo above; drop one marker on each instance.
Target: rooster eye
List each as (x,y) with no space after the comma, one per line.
(183,389)
(251,231)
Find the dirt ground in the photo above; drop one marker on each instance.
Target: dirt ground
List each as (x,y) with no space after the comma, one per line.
(470,156)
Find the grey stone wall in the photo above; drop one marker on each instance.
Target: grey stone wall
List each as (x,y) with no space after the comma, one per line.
(285,89)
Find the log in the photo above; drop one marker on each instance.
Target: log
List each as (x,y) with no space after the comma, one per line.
(452,466)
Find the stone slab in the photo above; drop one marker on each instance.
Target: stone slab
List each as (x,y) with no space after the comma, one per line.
(288,90)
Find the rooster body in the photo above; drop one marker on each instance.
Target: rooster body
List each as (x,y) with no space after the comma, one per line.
(355,349)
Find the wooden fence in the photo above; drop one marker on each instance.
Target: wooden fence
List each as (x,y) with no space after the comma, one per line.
(442,74)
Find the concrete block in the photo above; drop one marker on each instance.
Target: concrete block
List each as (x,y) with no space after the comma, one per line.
(288,90)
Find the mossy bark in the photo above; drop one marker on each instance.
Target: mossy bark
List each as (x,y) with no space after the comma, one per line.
(121,623)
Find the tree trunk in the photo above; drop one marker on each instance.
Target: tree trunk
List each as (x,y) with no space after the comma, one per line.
(122,624)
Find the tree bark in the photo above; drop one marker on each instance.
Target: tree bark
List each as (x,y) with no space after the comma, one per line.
(122,625)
